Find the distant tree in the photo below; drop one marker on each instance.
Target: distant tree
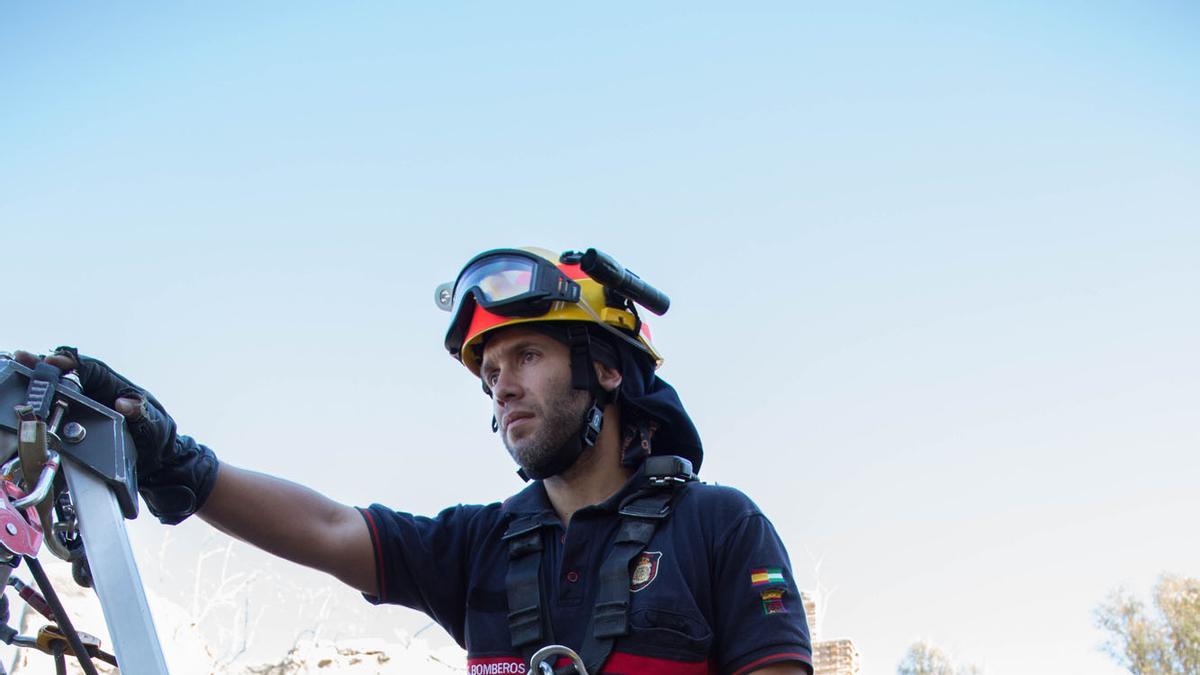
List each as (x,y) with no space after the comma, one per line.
(1165,641)
(925,658)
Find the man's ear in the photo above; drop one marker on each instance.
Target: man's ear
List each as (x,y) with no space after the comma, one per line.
(609,378)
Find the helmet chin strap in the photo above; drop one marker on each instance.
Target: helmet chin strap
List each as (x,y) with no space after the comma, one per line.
(583,377)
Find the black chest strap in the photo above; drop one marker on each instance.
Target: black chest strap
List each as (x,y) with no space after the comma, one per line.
(528,621)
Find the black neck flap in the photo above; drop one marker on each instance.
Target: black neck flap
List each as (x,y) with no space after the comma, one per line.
(654,408)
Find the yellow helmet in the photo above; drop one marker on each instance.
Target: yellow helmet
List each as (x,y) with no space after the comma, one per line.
(510,287)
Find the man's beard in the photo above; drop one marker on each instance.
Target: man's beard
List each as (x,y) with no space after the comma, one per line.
(561,418)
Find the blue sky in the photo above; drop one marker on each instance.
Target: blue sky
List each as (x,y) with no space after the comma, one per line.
(933,267)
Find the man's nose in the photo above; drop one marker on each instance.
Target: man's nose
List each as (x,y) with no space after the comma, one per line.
(507,387)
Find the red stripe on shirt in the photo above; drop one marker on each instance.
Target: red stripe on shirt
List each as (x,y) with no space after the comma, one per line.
(616,663)
(620,662)
(378,552)
(774,658)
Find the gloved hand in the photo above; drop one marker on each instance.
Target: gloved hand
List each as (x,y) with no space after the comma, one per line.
(175,473)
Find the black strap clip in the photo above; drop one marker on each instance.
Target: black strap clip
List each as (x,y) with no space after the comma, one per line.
(42,386)
(668,470)
(592,425)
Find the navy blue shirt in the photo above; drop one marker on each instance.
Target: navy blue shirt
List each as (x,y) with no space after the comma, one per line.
(712,591)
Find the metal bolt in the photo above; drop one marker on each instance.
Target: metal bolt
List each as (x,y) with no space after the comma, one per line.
(60,409)
(74,432)
(10,528)
(72,380)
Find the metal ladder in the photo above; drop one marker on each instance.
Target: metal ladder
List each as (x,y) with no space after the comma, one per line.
(47,426)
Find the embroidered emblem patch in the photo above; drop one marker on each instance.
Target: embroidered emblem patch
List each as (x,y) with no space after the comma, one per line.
(772,601)
(645,569)
(766,576)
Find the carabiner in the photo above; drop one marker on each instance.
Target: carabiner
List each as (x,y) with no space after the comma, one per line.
(44,483)
(544,658)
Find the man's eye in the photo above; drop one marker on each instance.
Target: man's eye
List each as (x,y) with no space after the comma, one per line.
(528,356)
(491,379)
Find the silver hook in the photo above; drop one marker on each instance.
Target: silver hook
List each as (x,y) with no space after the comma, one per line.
(544,658)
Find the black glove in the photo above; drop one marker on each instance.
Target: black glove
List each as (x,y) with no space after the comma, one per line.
(175,473)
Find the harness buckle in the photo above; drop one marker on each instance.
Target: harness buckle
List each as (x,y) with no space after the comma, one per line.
(525,625)
(611,619)
(643,509)
(664,470)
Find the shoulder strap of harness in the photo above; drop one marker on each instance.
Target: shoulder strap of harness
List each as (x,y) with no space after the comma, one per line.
(523,583)
(640,515)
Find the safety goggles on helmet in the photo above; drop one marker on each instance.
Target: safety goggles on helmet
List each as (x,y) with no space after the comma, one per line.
(506,282)
(512,282)
(509,287)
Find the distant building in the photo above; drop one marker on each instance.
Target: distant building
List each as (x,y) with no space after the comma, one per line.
(836,657)
(830,657)
(810,613)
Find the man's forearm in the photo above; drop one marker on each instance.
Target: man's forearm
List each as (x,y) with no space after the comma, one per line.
(293,522)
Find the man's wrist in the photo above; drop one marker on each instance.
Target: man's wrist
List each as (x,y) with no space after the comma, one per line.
(180,487)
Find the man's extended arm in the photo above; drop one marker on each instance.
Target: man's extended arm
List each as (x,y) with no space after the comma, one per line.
(293,522)
(178,477)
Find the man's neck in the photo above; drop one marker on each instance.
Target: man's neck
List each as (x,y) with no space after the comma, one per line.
(595,476)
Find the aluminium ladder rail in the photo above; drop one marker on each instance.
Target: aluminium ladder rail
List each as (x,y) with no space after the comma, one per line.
(98,465)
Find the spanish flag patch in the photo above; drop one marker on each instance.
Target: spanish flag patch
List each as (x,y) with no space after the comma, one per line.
(765,576)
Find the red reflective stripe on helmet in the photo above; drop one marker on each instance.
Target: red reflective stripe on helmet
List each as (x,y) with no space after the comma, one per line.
(482,320)
(573,272)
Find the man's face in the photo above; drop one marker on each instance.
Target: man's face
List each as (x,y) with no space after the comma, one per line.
(529,375)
